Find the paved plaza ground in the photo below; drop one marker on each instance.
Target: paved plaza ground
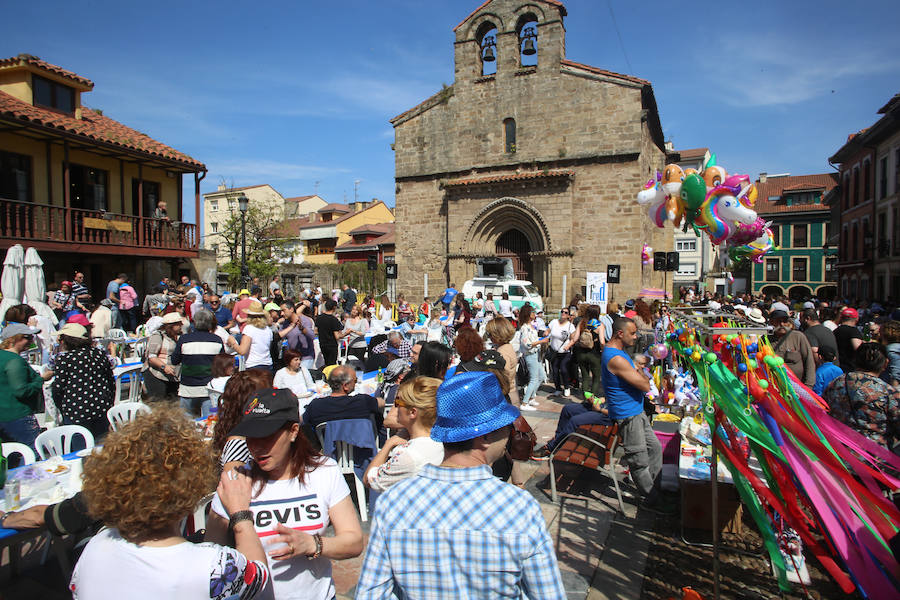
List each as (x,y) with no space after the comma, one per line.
(603,554)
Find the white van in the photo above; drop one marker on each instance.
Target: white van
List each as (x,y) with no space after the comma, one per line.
(519,291)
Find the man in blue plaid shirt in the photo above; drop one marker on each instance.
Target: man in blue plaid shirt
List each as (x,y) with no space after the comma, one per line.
(455,531)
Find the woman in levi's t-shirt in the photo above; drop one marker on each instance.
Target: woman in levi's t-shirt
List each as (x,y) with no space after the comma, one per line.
(296,494)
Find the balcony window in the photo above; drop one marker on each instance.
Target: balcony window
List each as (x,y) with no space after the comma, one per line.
(49,94)
(87,187)
(686,245)
(776,235)
(151,197)
(687,270)
(882,180)
(232,204)
(772,269)
(830,268)
(15,176)
(213,206)
(215,227)
(800,235)
(799,269)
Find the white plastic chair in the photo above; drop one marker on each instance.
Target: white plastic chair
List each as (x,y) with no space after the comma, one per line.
(10,448)
(58,441)
(116,334)
(125,412)
(343,454)
(133,375)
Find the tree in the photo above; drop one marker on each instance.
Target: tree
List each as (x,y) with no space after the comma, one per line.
(266,244)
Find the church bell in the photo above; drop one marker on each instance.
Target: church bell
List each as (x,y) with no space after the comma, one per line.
(489,55)
(528,49)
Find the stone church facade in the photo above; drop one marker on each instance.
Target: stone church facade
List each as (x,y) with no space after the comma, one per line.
(530,156)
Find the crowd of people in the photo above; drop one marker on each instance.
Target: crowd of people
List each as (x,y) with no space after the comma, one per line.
(454,378)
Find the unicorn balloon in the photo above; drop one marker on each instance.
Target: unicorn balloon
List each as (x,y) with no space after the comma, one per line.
(755,250)
(654,198)
(721,214)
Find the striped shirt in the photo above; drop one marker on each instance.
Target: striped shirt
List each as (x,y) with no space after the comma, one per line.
(458,533)
(195,353)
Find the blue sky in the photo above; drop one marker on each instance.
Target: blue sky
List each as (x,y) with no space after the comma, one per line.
(294,93)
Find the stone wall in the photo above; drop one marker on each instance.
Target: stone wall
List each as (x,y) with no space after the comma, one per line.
(569,117)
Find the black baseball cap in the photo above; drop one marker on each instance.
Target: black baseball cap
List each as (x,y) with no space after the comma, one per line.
(266,412)
(487,360)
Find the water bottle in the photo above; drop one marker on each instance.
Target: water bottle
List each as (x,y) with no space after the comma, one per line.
(380,376)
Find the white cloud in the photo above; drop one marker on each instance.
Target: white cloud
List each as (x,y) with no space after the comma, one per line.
(260,170)
(776,70)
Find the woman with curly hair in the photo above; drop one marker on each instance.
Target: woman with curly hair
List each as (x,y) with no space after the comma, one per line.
(415,410)
(468,345)
(501,332)
(296,494)
(150,475)
(240,386)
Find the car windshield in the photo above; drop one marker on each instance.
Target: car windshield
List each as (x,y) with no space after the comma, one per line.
(532,290)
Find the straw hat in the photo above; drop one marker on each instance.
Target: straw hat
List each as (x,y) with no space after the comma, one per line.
(255,310)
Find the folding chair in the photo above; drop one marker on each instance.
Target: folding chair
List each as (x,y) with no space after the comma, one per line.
(58,441)
(125,412)
(344,455)
(590,446)
(132,375)
(116,334)
(10,448)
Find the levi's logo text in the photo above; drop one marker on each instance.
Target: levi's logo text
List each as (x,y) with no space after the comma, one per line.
(303,513)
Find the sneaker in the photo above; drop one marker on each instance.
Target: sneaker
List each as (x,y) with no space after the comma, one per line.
(527,407)
(567,392)
(533,402)
(542,453)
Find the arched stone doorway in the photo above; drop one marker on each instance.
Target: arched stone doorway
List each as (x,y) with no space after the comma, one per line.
(512,228)
(515,245)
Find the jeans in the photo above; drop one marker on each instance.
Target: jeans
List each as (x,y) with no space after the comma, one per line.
(23,430)
(129,318)
(535,375)
(574,416)
(115,318)
(643,453)
(590,364)
(559,370)
(159,389)
(200,404)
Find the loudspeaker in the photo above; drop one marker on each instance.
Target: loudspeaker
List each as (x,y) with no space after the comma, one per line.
(659,261)
(390,271)
(673,260)
(372,261)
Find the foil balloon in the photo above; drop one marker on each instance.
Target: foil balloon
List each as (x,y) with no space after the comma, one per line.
(654,198)
(714,175)
(754,250)
(672,178)
(659,351)
(693,191)
(646,254)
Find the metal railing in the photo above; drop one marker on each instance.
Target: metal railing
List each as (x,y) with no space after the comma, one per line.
(28,221)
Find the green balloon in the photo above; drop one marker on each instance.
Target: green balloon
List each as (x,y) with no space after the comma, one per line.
(770,360)
(711,357)
(693,191)
(752,364)
(763,384)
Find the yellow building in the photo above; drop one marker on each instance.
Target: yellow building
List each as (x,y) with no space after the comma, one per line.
(82,188)
(321,232)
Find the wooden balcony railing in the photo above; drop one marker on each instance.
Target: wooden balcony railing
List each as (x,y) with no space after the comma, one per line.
(25,222)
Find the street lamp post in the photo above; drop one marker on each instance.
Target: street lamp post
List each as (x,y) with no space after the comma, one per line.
(243,203)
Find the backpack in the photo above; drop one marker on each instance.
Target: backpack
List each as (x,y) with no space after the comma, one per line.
(586,339)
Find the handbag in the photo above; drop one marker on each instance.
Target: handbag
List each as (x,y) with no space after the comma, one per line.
(521,440)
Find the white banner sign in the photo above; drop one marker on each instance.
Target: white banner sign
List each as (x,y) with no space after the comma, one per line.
(597,290)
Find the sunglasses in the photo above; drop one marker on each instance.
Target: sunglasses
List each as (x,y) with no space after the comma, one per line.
(401,404)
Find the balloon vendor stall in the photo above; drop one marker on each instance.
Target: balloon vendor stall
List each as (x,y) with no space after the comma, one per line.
(818,484)
(715,202)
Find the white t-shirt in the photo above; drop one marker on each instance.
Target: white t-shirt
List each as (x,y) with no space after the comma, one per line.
(559,333)
(153,323)
(223,335)
(303,507)
(111,568)
(406,460)
(259,355)
(300,382)
(505,308)
(384,315)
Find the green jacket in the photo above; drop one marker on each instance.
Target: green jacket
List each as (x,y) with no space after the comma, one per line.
(20,387)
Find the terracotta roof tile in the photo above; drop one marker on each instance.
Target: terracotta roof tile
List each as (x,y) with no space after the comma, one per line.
(387,238)
(335,207)
(41,64)
(474,12)
(92,126)
(506,178)
(338,220)
(692,153)
(777,186)
(380,228)
(236,189)
(577,65)
(299,198)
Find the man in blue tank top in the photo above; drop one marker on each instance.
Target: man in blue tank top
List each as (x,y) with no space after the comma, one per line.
(625,387)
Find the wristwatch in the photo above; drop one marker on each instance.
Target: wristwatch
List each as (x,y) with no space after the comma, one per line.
(238,516)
